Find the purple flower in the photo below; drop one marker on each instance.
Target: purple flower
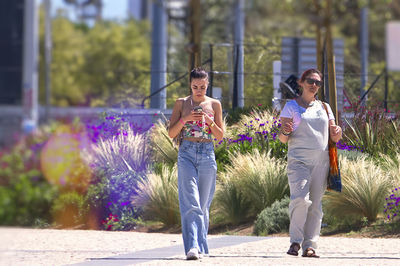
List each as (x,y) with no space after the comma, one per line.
(125,203)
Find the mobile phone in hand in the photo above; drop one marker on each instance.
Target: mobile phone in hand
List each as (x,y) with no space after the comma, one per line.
(198,109)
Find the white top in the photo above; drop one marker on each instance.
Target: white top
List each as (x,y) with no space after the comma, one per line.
(293,110)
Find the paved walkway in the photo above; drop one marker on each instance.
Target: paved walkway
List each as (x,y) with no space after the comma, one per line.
(79,247)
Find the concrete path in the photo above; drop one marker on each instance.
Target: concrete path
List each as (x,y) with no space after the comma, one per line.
(79,247)
(172,253)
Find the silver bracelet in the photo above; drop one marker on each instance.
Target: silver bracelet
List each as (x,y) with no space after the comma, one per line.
(286,134)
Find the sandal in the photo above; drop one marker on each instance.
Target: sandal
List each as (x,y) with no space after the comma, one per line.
(294,249)
(310,253)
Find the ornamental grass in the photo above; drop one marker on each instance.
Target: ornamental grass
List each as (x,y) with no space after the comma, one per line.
(162,146)
(257,119)
(158,196)
(230,203)
(375,130)
(391,165)
(121,153)
(254,178)
(365,186)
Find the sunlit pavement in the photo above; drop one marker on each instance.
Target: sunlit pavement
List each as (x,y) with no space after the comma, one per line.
(20,246)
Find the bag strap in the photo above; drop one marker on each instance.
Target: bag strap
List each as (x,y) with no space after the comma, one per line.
(181,111)
(180,135)
(331,142)
(327,113)
(326,108)
(183,103)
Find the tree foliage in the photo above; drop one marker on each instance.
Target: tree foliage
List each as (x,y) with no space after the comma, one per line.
(104,65)
(109,64)
(299,18)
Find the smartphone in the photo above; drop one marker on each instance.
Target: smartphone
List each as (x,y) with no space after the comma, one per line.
(198,109)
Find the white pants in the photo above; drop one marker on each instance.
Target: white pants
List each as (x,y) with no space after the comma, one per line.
(307,181)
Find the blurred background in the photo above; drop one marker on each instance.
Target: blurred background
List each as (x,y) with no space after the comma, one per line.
(78,77)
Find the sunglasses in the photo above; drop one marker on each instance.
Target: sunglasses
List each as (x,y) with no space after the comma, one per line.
(314,81)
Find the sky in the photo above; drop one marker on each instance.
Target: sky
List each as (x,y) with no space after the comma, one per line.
(112,9)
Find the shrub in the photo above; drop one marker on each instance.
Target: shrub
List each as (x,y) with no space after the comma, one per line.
(273,219)
(119,156)
(235,115)
(392,207)
(60,158)
(25,195)
(27,198)
(111,124)
(127,220)
(262,180)
(222,155)
(373,131)
(352,155)
(256,131)
(158,196)
(112,194)
(230,202)
(332,223)
(364,188)
(253,119)
(69,209)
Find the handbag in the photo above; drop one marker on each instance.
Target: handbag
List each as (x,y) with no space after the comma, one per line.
(334,179)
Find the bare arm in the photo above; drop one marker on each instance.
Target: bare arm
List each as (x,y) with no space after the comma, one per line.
(335,132)
(175,126)
(217,125)
(287,128)
(177,121)
(218,130)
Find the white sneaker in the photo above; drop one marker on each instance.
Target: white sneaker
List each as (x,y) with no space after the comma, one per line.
(193,254)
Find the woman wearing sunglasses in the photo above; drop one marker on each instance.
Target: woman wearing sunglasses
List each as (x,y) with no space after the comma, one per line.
(305,128)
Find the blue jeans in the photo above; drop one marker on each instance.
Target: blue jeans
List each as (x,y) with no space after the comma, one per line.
(197,172)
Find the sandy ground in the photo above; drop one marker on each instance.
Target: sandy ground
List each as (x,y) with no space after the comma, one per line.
(332,251)
(60,247)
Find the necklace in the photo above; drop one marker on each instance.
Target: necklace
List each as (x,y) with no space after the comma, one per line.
(191,101)
(305,103)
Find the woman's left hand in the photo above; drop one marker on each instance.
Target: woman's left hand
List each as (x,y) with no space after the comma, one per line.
(207,118)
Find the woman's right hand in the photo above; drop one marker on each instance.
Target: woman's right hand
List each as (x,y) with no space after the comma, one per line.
(287,125)
(193,116)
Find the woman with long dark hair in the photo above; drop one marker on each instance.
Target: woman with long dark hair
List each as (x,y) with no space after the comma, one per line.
(197,119)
